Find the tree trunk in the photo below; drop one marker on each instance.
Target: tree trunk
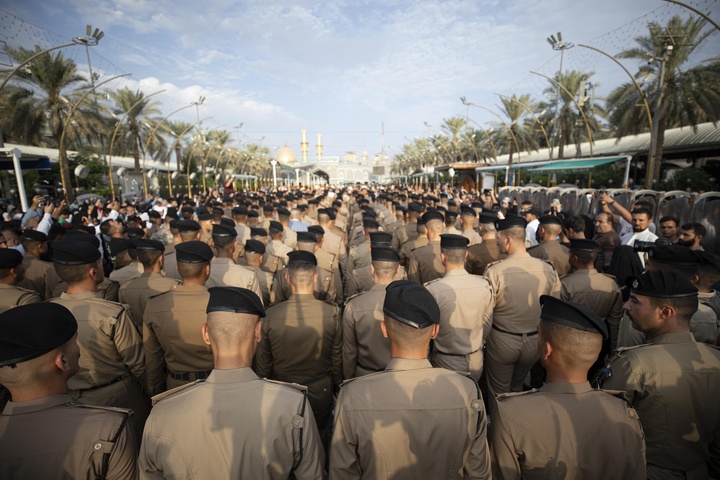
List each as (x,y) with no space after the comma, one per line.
(657,163)
(177,156)
(65,177)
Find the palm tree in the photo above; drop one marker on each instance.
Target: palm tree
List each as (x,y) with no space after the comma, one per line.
(455,128)
(176,127)
(689,94)
(139,110)
(515,136)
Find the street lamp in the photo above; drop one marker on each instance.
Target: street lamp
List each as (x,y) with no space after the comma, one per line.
(451,171)
(557,44)
(197,104)
(274,163)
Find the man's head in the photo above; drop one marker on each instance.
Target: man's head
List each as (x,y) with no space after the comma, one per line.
(34,243)
(708,273)
(510,234)
(188,230)
(385,263)
(435,224)
(574,227)
(224,238)
(673,258)
(583,253)
(411,318)
(149,253)
(302,271)
(603,223)
(549,228)
(641,218)
(193,261)
(12,271)
(669,228)
(77,260)
(453,250)
(691,234)
(254,252)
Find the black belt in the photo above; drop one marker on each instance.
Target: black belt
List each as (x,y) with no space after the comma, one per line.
(457,354)
(114,380)
(514,333)
(190,376)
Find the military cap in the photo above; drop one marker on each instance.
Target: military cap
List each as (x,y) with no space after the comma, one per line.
(253,214)
(415,207)
(118,245)
(450,215)
(193,251)
(135,233)
(282,211)
(661,284)
(450,240)
(583,245)
(331,213)
(400,208)
(28,331)
(275,226)
(337,203)
(171,212)
(451,203)
(677,255)
(468,211)
(267,208)
(258,232)
(511,221)
(369,212)
(204,217)
(254,246)
(10,258)
(86,229)
(76,251)
(145,244)
(189,210)
(550,220)
(384,254)
(302,207)
(217,210)
(488,217)
(380,239)
(240,210)
(421,220)
(433,215)
(234,300)
(221,230)
(369,222)
(227,221)
(572,315)
(301,257)
(440,208)
(34,235)
(306,237)
(475,205)
(316,229)
(154,214)
(187,226)
(202,209)
(410,303)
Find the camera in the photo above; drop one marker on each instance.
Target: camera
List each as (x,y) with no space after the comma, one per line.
(487,191)
(601,192)
(641,246)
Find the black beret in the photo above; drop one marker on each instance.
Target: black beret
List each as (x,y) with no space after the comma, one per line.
(511,221)
(572,315)
(380,239)
(187,210)
(283,211)
(202,209)
(300,257)
(253,213)
(488,217)
(415,207)
(171,212)
(316,229)
(468,211)
(28,331)
(583,245)
(254,246)
(220,230)
(476,205)
(369,213)
(401,208)
(219,210)
(227,221)
(267,208)
(118,245)
(240,210)
(331,213)
(306,237)
(369,222)
(275,227)
(145,244)
(187,226)
(337,203)
(258,232)
(235,300)
(204,217)
(76,251)
(451,203)
(34,235)
(662,284)
(677,255)
(384,254)
(531,211)
(10,258)
(154,214)
(450,240)
(193,251)
(450,215)
(420,221)
(135,233)
(433,215)
(411,303)
(550,220)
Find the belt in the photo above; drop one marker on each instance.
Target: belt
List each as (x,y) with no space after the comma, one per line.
(514,333)
(457,354)
(114,380)
(190,376)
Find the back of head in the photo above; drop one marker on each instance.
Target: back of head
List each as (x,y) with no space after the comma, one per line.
(232,316)
(410,313)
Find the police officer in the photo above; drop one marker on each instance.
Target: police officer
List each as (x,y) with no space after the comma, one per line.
(409,232)
(324,288)
(467,223)
(302,340)
(175,353)
(466,305)
(425,263)
(543,433)
(361,279)
(254,257)
(223,271)
(233,424)
(549,248)
(137,291)
(39,274)
(43,434)
(412,420)
(187,230)
(672,381)
(12,272)
(487,252)
(276,246)
(360,254)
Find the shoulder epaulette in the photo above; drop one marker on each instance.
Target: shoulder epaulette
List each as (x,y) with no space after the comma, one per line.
(352,296)
(124,411)
(161,396)
(26,290)
(491,264)
(621,350)
(503,396)
(159,294)
(432,281)
(296,386)
(616,393)
(609,276)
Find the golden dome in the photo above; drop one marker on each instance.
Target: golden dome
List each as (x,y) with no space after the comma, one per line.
(285,155)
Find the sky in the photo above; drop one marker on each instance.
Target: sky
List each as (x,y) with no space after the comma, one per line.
(342,68)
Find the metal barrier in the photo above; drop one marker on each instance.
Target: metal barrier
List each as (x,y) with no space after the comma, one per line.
(706,210)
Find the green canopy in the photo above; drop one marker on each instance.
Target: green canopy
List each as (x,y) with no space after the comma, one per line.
(577,164)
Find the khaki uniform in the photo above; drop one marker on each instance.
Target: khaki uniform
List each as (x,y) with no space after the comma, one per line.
(107,289)
(674,384)
(302,343)
(333,243)
(703,326)
(324,286)
(473,236)
(598,292)
(364,349)
(481,255)
(135,293)
(392,226)
(225,273)
(40,276)
(362,280)
(175,352)
(278,249)
(206,237)
(453,231)
(545,434)
(340,233)
(128,272)
(517,283)
(53,438)
(425,263)
(268,434)
(112,363)
(408,247)
(265,282)
(243,234)
(170,266)
(410,421)
(12,296)
(289,237)
(402,235)
(554,252)
(328,261)
(466,310)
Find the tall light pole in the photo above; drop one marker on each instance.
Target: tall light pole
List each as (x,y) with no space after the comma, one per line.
(527,109)
(557,44)
(197,104)
(274,163)
(174,145)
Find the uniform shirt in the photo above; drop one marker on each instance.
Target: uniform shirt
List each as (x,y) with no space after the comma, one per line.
(234,425)
(364,349)
(362,280)
(553,251)
(12,296)
(704,325)
(128,272)
(466,310)
(40,276)
(170,266)
(406,234)
(107,289)
(408,247)
(481,255)
(53,438)
(674,384)
(265,282)
(333,243)
(163,234)
(324,286)
(359,256)
(425,263)
(172,335)
(289,237)
(410,421)
(546,433)
(473,236)
(278,249)
(225,273)
(135,292)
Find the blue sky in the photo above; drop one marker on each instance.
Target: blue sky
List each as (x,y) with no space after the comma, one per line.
(339,67)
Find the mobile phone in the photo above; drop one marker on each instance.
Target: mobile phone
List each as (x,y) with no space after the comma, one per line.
(556,202)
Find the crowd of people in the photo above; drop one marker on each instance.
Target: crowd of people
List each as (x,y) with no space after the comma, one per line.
(361,331)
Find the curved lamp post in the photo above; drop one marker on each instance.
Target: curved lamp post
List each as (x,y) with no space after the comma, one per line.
(695,10)
(192,150)
(527,109)
(274,163)
(174,145)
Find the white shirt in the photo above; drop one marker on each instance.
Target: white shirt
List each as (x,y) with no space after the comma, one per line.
(530,232)
(644,236)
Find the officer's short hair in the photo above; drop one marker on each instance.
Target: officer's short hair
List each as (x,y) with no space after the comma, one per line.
(434,226)
(5,272)
(585,257)
(146,256)
(188,236)
(575,345)
(698,228)
(301,273)
(422,229)
(223,241)
(405,334)
(191,270)
(668,218)
(74,273)
(385,269)
(516,234)
(684,306)
(454,255)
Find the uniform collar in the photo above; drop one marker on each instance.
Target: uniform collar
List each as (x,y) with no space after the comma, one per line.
(80,296)
(232,376)
(519,255)
(378,287)
(221,260)
(191,288)
(456,273)
(31,406)
(565,387)
(667,338)
(400,364)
